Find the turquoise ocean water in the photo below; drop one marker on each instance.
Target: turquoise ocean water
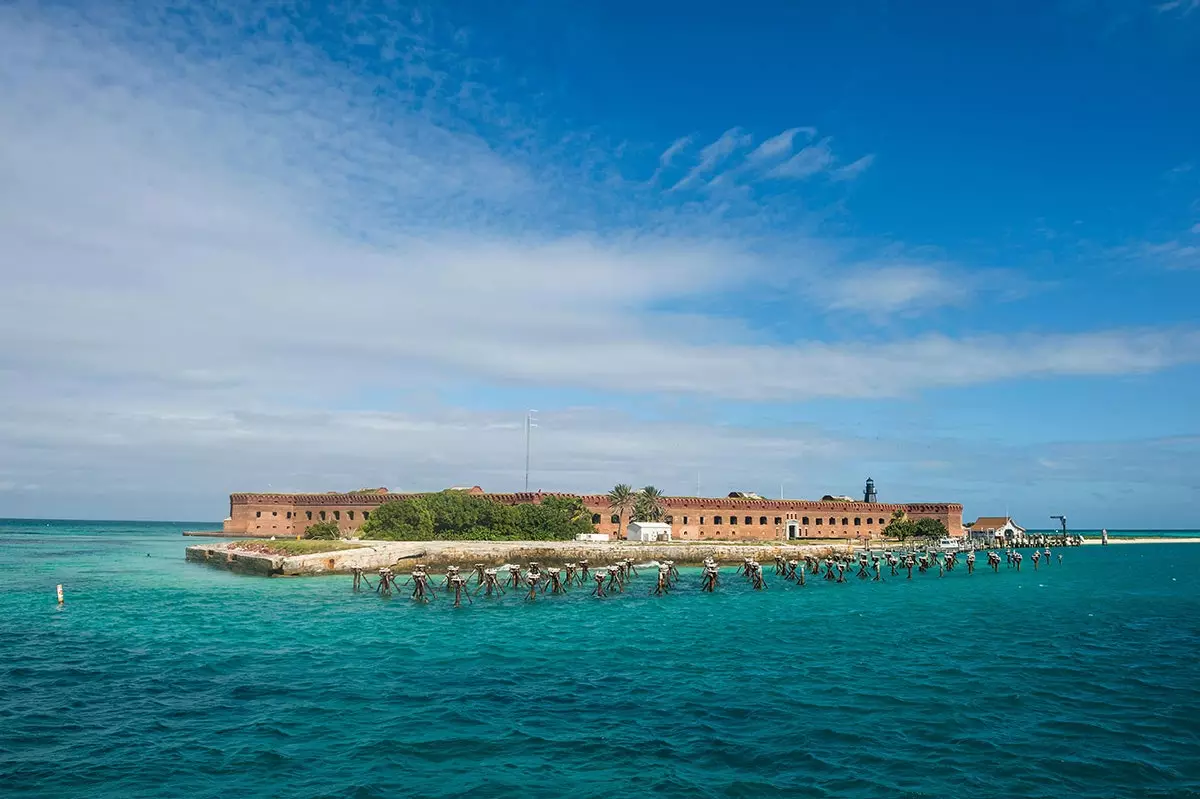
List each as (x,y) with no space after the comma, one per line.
(162,678)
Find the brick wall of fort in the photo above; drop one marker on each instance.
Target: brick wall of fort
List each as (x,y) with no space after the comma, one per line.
(691,518)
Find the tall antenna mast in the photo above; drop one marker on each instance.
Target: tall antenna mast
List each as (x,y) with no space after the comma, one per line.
(530,423)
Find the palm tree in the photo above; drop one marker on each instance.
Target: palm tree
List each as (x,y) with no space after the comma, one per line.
(620,500)
(650,506)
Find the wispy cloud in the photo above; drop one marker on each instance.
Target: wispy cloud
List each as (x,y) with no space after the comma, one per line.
(1184,7)
(1179,170)
(778,146)
(668,156)
(813,159)
(878,290)
(891,289)
(852,170)
(713,154)
(1170,254)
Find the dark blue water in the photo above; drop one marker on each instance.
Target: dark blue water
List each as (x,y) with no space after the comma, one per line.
(161,678)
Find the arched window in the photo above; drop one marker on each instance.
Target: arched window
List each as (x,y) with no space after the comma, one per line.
(595,518)
(805,520)
(702,520)
(749,520)
(832,520)
(819,520)
(350,513)
(733,519)
(778,520)
(308,513)
(322,515)
(337,514)
(615,519)
(685,520)
(274,513)
(366,514)
(289,514)
(845,521)
(258,514)
(716,520)
(763,520)
(857,521)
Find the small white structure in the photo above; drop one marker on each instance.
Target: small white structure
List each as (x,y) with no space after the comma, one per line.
(1001,528)
(648,531)
(592,537)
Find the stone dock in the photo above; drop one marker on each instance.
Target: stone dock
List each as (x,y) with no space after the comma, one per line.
(373,555)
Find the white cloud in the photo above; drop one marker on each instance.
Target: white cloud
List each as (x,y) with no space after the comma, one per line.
(1172,254)
(881,291)
(777,146)
(202,246)
(713,154)
(812,160)
(1184,7)
(668,156)
(677,146)
(852,170)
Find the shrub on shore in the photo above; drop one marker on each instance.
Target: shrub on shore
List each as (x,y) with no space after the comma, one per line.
(931,528)
(903,528)
(454,515)
(900,527)
(323,531)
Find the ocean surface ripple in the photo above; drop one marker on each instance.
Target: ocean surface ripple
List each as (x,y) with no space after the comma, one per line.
(160,678)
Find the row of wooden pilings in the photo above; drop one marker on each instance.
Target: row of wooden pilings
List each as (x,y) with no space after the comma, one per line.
(533,581)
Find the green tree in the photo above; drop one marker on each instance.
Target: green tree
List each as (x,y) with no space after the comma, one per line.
(900,527)
(402,520)
(930,528)
(649,505)
(453,515)
(620,500)
(327,531)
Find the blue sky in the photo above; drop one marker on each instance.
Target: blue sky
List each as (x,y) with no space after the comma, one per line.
(251,246)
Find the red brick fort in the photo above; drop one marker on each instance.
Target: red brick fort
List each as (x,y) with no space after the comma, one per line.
(734,518)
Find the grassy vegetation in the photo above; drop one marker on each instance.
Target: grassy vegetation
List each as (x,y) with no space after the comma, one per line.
(292,546)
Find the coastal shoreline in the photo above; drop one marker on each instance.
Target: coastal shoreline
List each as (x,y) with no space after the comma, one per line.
(1089,542)
(373,555)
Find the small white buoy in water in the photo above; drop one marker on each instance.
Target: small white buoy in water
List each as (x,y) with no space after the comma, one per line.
(60,594)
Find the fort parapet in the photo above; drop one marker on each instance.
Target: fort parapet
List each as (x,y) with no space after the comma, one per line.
(691,518)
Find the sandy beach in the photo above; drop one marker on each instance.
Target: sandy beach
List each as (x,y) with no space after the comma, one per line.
(1147,540)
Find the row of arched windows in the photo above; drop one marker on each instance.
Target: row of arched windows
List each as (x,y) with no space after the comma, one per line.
(733,520)
(337,514)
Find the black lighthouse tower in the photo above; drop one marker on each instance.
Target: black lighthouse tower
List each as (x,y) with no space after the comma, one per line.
(869,492)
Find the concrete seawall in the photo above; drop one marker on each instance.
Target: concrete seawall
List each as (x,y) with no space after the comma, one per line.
(373,555)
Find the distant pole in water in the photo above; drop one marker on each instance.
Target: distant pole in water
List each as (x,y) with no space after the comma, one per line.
(60,594)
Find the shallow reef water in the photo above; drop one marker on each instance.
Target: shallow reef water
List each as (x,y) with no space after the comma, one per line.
(163,678)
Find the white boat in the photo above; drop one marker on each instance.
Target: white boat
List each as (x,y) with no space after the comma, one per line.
(950,545)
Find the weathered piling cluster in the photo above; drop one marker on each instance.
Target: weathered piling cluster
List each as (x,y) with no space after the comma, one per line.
(534,581)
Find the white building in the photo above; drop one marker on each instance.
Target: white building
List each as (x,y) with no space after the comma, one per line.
(648,531)
(1002,528)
